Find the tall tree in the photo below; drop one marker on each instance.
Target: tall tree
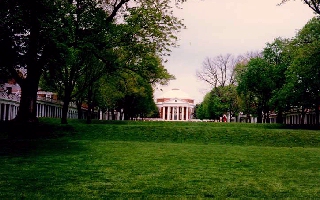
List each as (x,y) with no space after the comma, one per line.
(219,72)
(277,54)
(257,80)
(147,28)
(303,74)
(32,35)
(28,40)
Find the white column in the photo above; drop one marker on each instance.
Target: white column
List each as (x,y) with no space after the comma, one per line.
(13,112)
(5,112)
(187,113)
(10,112)
(16,111)
(168,113)
(172,113)
(163,112)
(183,113)
(37,109)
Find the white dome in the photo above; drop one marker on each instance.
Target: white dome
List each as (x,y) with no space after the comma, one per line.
(175,93)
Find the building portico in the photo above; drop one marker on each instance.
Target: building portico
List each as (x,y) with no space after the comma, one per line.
(175,105)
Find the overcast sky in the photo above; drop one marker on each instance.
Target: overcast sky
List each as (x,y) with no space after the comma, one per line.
(230,26)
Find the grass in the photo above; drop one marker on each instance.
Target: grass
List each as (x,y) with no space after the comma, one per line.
(161,160)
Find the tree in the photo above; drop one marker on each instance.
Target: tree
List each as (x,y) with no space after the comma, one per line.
(217,102)
(313,4)
(207,108)
(303,74)
(257,80)
(148,29)
(109,93)
(33,36)
(28,40)
(278,55)
(218,71)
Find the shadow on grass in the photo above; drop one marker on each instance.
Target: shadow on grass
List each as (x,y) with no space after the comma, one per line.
(14,130)
(18,139)
(21,148)
(302,126)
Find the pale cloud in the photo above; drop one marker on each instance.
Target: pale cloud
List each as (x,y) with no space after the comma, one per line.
(230,26)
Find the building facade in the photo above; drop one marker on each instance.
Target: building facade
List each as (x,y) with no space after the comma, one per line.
(175,105)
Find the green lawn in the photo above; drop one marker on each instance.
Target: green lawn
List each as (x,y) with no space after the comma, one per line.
(161,160)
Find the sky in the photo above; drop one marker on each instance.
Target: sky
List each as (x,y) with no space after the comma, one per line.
(217,27)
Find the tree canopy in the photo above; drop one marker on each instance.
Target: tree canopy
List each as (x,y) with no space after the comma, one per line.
(66,39)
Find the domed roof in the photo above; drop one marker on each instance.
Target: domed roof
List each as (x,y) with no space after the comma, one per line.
(175,93)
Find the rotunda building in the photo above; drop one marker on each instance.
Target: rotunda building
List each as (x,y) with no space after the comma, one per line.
(175,105)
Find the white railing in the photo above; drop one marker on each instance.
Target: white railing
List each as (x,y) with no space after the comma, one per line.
(10,97)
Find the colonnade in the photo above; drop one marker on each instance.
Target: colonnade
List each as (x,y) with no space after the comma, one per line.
(175,113)
(9,106)
(309,118)
(9,111)
(54,111)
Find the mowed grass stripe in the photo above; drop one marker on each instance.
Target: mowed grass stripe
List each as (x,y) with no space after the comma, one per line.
(146,160)
(205,133)
(114,169)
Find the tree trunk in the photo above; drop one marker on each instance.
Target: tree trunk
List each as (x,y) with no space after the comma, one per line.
(121,114)
(113,114)
(279,118)
(29,86)
(126,116)
(267,116)
(79,104)
(28,101)
(65,107)
(248,118)
(259,117)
